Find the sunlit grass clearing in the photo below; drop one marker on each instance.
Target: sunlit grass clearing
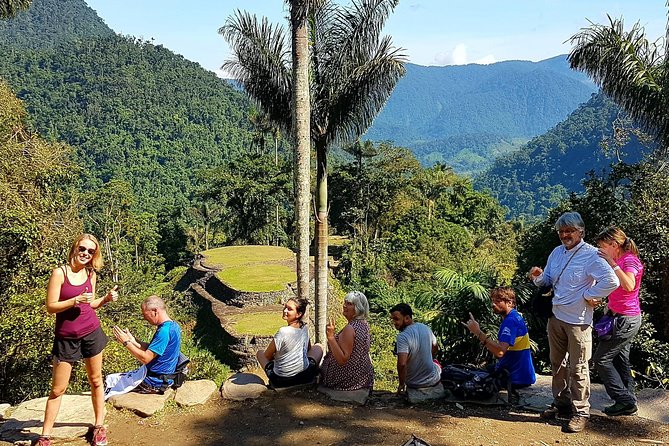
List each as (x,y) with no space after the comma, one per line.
(261,324)
(231,256)
(258,278)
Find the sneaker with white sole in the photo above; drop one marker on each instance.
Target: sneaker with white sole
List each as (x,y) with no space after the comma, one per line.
(99,436)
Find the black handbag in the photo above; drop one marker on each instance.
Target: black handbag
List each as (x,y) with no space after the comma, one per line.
(542,298)
(542,301)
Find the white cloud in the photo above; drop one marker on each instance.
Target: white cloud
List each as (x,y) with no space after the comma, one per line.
(486,60)
(457,56)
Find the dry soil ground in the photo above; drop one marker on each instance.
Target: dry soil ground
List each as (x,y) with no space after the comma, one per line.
(308,418)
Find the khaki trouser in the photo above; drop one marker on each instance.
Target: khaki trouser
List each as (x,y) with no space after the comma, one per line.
(570,350)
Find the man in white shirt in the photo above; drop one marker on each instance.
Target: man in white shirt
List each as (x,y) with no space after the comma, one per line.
(579,278)
(415,347)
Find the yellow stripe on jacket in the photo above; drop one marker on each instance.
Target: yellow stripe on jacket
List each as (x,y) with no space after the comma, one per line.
(522,343)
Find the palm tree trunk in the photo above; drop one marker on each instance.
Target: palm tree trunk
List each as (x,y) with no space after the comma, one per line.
(302,135)
(322,242)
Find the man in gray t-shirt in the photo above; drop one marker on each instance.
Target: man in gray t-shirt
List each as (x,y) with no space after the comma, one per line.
(415,348)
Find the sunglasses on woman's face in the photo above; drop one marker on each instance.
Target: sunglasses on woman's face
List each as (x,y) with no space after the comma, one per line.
(91,251)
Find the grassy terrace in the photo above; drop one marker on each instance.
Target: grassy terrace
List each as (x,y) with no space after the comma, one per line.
(252,268)
(262,324)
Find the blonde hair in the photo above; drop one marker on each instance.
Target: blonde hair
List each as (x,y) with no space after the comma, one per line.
(614,234)
(96,261)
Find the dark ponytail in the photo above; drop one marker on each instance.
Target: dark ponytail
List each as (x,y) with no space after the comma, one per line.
(301,307)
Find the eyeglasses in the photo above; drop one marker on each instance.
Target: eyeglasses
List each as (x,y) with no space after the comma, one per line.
(91,251)
(567,231)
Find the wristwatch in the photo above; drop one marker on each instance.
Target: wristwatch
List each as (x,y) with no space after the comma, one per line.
(125,343)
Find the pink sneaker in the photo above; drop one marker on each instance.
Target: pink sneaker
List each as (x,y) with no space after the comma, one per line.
(43,441)
(100,436)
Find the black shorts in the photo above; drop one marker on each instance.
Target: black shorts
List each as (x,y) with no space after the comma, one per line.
(72,350)
(306,376)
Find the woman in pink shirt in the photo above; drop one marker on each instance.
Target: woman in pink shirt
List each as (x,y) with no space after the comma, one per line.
(611,358)
(71,297)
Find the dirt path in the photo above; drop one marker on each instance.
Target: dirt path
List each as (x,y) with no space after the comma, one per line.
(308,418)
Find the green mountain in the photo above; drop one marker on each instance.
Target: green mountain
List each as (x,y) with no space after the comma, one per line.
(49,23)
(466,115)
(133,111)
(536,177)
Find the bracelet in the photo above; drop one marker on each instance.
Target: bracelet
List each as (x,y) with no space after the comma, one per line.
(616,268)
(125,343)
(485,341)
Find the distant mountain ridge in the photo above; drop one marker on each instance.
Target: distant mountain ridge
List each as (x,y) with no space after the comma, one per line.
(536,177)
(439,106)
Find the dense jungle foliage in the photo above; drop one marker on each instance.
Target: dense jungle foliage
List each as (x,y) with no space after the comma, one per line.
(535,178)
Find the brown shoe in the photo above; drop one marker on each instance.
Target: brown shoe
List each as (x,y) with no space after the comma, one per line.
(576,424)
(554,412)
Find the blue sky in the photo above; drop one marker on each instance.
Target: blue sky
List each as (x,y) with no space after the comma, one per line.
(432,32)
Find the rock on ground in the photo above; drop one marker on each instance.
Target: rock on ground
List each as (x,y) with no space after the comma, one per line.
(242,386)
(3,410)
(192,393)
(653,404)
(142,404)
(74,419)
(426,393)
(346,396)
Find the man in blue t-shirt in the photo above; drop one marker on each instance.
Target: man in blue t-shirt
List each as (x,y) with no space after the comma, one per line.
(512,347)
(161,355)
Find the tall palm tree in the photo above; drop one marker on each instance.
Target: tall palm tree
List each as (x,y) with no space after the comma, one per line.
(9,8)
(631,70)
(353,71)
(301,103)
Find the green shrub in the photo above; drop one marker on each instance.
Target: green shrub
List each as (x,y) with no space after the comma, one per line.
(382,348)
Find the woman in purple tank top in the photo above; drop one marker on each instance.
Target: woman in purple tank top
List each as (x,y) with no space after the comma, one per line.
(71,297)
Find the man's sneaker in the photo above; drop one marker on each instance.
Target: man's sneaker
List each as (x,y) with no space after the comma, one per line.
(620,409)
(576,424)
(100,436)
(43,441)
(554,412)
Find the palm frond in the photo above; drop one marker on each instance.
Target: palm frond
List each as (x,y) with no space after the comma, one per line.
(629,68)
(261,63)
(9,8)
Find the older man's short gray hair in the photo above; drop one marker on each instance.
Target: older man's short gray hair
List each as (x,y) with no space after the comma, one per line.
(359,301)
(152,302)
(570,220)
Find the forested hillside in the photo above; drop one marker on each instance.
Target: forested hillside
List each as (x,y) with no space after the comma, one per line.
(48,23)
(441,112)
(535,178)
(132,110)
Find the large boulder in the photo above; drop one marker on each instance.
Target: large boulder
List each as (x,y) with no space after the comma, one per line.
(242,386)
(192,393)
(74,419)
(346,396)
(426,393)
(142,404)
(653,404)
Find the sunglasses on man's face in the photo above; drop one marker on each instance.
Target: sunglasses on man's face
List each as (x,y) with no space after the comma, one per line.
(91,251)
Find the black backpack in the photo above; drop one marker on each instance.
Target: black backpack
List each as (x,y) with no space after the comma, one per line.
(178,377)
(469,383)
